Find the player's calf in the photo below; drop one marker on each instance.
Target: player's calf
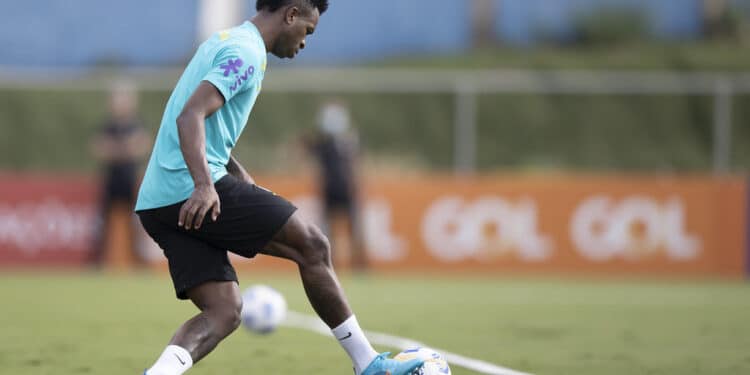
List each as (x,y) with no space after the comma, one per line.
(316,249)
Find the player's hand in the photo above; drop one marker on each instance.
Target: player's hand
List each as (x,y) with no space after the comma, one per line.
(192,212)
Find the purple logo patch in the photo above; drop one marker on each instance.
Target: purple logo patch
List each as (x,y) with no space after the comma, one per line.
(232,66)
(242,78)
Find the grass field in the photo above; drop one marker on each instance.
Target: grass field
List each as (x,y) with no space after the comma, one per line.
(117,325)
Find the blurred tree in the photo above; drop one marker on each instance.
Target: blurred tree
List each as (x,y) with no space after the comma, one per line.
(722,21)
(610,26)
(713,12)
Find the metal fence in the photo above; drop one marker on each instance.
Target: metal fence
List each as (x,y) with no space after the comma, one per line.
(464,85)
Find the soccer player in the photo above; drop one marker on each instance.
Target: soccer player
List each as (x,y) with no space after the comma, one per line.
(197,202)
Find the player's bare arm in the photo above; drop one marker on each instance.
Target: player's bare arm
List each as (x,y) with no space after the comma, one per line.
(191,129)
(237,170)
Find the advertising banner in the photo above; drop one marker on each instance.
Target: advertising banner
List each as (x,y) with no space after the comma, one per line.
(506,224)
(567,225)
(45,220)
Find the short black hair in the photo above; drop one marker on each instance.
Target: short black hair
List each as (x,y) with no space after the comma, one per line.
(274,5)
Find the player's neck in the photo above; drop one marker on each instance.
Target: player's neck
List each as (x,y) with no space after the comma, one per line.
(265,22)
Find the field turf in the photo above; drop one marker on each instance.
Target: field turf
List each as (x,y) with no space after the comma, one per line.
(117,325)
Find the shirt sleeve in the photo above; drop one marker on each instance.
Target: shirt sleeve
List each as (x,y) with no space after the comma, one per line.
(232,70)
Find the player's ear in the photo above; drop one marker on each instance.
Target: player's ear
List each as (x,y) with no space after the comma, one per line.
(291,14)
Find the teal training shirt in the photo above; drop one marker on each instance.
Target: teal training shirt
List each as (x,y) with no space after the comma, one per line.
(234,61)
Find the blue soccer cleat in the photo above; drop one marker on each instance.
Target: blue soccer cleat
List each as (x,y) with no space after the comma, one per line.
(382,365)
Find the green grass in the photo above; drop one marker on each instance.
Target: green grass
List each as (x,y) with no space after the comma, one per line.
(117,325)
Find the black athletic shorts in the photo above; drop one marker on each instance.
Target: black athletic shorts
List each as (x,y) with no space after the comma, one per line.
(250,217)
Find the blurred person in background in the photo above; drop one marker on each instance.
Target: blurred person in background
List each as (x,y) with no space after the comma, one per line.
(120,146)
(335,147)
(198,202)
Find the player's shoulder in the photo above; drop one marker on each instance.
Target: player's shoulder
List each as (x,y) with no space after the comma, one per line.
(239,40)
(244,35)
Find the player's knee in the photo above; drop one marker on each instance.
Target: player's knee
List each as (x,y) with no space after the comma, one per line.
(234,321)
(235,315)
(230,315)
(317,248)
(226,316)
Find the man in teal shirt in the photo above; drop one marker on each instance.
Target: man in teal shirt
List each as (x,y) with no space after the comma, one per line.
(197,202)
(233,62)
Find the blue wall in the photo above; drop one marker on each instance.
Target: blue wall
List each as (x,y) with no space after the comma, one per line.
(84,32)
(74,32)
(360,30)
(143,32)
(524,22)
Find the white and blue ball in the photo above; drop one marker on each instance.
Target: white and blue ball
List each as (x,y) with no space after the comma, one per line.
(434,362)
(263,309)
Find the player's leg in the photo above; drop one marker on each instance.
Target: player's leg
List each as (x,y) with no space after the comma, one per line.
(101,231)
(255,220)
(354,227)
(328,227)
(341,208)
(202,273)
(302,242)
(220,305)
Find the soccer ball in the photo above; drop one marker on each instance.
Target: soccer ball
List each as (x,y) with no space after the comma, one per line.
(263,308)
(434,362)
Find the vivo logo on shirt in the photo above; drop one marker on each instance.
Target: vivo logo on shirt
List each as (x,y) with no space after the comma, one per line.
(234,66)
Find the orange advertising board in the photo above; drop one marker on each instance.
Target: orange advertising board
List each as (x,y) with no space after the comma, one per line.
(567,224)
(506,224)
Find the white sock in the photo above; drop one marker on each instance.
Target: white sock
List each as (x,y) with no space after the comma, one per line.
(353,340)
(174,361)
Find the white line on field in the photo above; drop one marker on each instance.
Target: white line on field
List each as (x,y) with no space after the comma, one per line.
(312,323)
